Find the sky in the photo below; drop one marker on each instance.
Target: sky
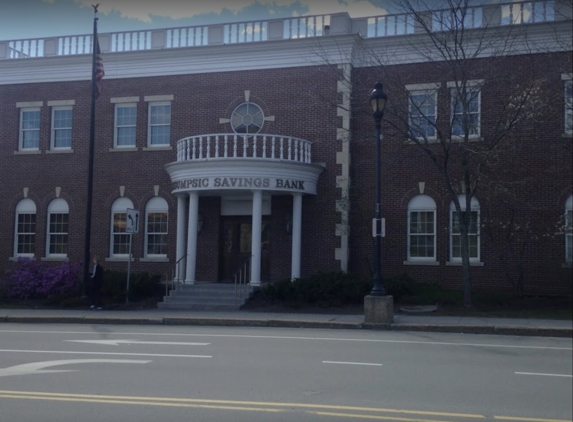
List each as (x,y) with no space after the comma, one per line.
(21,19)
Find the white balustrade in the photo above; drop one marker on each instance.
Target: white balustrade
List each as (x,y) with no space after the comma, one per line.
(208,147)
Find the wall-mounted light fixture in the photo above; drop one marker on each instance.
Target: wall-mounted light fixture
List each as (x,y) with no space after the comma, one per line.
(288,224)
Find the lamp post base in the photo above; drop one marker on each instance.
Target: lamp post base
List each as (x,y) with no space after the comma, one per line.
(378,309)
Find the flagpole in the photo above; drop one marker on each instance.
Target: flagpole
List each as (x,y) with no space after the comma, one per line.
(88,224)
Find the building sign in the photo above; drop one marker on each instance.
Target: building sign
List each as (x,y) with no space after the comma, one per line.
(264,183)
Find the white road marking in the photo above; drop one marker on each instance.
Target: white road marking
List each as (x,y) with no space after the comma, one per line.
(544,375)
(118,342)
(65,352)
(352,363)
(298,338)
(38,367)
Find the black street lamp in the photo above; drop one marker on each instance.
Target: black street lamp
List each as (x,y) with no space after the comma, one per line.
(378,102)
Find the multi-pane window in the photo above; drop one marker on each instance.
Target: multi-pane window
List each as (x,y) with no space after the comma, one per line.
(125,125)
(247,118)
(159,130)
(422,113)
(527,12)
(61,128)
(156,216)
(569,106)
(25,232)
(463,18)
(466,104)
(58,227)
(569,230)
(422,228)
(119,237)
(29,128)
(473,232)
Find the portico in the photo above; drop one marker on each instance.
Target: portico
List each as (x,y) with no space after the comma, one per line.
(251,167)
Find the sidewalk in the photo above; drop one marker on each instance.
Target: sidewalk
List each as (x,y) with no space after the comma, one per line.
(402,322)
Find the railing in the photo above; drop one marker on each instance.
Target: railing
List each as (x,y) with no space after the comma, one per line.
(225,145)
(516,13)
(241,278)
(171,282)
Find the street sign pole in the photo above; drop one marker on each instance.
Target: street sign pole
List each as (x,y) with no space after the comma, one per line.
(131,226)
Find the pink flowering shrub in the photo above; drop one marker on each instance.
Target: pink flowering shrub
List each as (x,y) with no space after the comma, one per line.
(30,279)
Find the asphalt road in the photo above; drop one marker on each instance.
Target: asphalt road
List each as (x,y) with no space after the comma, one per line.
(155,373)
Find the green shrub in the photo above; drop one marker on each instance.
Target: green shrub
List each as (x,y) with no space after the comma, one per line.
(400,286)
(141,285)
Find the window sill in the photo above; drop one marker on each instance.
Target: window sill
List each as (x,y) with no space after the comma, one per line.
(159,148)
(59,151)
(30,152)
(567,135)
(118,259)
(55,258)
(123,149)
(462,138)
(430,263)
(158,259)
(459,264)
(16,258)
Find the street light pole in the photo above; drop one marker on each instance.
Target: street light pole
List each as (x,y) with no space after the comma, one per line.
(378,102)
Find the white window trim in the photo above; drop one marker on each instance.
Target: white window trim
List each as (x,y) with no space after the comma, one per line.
(149,125)
(428,259)
(567,78)
(155,209)
(25,206)
(115,126)
(424,91)
(479,83)
(568,233)
(21,129)
(119,206)
(53,128)
(475,206)
(57,206)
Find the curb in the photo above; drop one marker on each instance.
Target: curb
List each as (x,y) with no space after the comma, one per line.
(229,322)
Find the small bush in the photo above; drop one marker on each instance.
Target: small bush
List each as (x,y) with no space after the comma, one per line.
(141,285)
(30,279)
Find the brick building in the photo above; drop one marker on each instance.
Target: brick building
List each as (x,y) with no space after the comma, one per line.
(254,142)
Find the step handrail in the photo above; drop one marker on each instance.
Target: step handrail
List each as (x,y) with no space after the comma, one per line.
(241,277)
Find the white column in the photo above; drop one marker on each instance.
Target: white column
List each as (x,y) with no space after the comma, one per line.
(296,234)
(256,238)
(180,253)
(192,237)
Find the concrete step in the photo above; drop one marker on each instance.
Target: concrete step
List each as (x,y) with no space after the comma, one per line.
(207,300)
(207,296)
(198,307)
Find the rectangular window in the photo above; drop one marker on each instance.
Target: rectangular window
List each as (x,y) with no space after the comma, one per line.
(466,111)
(26,234)
(422,234)
(29,128)
(422,114)
(527,12)
(157,233)
(125,125)
(569,237)
(569,107)
(58,234)
(120,237)
(61,128)
(159,130)
(455,236)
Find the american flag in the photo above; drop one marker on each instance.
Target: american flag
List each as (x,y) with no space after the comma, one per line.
(99,73)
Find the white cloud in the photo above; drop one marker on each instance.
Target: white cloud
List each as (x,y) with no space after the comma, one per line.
(141,9)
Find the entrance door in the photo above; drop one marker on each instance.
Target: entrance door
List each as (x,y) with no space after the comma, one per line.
(235,247)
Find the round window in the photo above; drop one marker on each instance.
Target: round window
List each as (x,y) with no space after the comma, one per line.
(247,118)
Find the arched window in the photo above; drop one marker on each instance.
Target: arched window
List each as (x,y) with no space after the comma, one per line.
(569,230)
(25,231)
(156,213)
(119,238)
(422,229)
(57,228)
(474,231)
